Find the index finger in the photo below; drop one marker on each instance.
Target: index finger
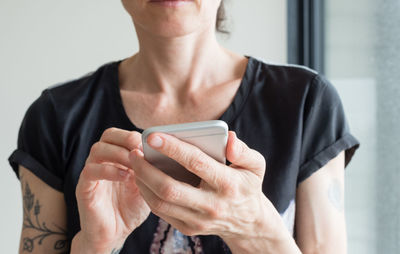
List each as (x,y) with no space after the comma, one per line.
(190,157)
(239,154)
(127,139)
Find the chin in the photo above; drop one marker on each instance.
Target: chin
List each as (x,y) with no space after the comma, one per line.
(175,30)
(173,27)
(159,20)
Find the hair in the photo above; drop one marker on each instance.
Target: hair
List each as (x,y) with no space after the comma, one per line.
(221,17)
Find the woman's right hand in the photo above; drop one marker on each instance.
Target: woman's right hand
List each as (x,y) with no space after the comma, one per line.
(110,205)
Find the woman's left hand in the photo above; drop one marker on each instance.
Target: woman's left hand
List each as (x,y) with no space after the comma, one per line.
(229,201)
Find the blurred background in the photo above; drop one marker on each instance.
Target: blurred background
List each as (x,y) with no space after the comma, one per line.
(362,59)
(354,43)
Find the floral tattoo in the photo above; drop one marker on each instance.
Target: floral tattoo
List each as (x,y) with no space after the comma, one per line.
(42,231)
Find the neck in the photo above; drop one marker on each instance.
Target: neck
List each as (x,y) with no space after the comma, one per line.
(176,65)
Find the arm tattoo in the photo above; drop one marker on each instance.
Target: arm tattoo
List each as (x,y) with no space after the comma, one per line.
(116,251)
(41,230)
(335,195)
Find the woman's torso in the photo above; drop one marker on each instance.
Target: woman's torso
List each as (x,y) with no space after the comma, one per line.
(273,110)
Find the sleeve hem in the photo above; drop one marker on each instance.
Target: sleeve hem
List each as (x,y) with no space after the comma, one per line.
(347,142)
(19,157)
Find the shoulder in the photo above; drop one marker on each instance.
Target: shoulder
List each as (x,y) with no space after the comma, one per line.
(291,83)
(70,97)
(80,88)
(62,106)
(282,75)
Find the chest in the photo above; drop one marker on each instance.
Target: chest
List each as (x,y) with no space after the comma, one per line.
(146,110)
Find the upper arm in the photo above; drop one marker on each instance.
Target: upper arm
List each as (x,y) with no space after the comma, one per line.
(320,220)
(44,216)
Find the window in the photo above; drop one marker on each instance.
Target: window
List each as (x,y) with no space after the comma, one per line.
(356,45)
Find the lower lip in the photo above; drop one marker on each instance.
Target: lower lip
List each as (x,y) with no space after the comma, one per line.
(175,3)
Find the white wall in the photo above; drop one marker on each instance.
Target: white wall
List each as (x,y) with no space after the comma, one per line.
(44,42)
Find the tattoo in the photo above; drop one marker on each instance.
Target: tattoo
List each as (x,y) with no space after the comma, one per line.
(116,251)
(335,195)
(31,221)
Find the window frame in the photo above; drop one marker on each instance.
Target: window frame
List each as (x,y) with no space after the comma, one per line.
(305,29)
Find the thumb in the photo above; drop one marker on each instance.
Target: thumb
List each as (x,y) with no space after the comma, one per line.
(240,155)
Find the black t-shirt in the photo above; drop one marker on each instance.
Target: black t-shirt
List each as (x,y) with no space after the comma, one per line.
(290,114)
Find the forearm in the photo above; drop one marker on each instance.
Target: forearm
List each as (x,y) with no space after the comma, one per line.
(80,245)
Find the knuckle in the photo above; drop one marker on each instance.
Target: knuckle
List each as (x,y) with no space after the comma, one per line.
(96,147)
(263,162)
(103,231)
(173,151)
(159,206)
(169,192)
(78,191)
(214,211)
(87,169)
(228,188)
(121,156)
(241,150)
(237,151)
(85,172)
(109,132)
(197,163)
(133,140)
(199,227)
(260,164)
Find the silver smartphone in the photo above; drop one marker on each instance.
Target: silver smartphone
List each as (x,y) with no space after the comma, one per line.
(210,136)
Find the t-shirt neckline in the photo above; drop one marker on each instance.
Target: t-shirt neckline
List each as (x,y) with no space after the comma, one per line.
(228,116)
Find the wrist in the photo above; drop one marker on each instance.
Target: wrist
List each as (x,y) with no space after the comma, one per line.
(263,242)
(81,245)
(268,234)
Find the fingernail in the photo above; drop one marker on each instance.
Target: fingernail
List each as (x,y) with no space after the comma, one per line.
(123,173)
(234,134)
(156,141)
(132,155)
